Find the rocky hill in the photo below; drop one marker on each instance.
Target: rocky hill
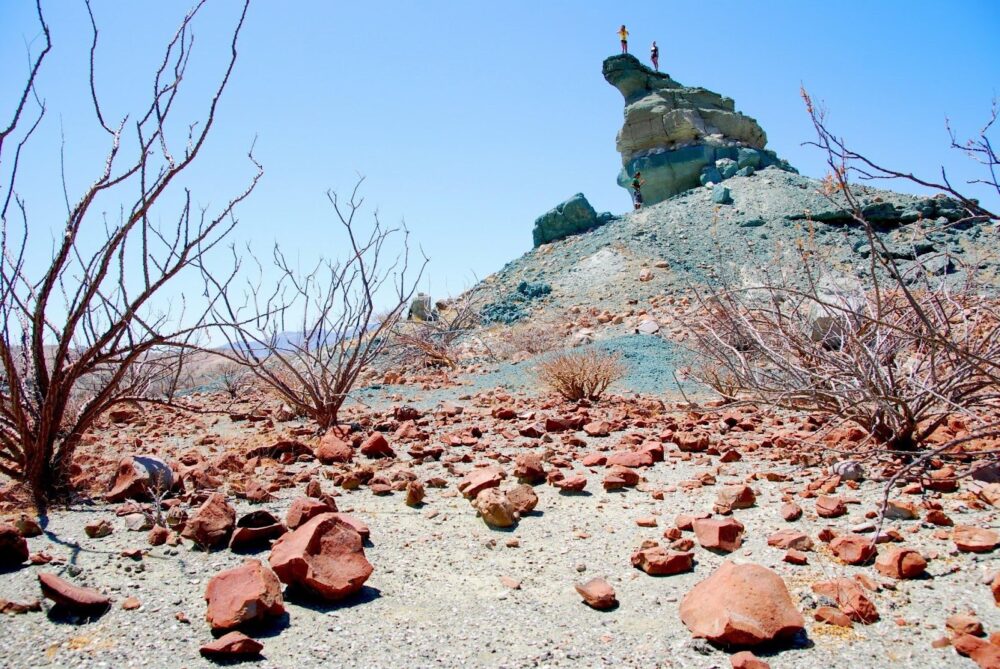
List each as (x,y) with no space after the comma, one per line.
(718,204)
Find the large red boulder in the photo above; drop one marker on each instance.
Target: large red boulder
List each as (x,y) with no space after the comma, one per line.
(326,556)
(75,599)
(631,459)
(741,605)
(250,592)
(211,523)
(13,547)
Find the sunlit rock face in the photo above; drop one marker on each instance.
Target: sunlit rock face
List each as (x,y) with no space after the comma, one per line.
(681,137)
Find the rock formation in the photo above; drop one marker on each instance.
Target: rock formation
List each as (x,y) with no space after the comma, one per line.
(681,137)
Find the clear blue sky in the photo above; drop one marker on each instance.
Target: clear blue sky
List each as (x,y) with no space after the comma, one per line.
(469,119)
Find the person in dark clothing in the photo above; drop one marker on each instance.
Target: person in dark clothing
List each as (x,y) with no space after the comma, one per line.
(654,55)
(637,182)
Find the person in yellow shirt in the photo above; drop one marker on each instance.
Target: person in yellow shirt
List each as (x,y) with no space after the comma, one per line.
(623,35)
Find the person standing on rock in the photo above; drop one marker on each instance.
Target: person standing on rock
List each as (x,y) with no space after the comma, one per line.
(623,36)
(637,182)
(654,55)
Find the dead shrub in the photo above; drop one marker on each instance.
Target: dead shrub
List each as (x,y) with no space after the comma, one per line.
(581,375)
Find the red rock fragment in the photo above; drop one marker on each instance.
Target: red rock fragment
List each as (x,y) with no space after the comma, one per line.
(75,599)
(719,534)
(211,523)
(479,480)
(657,561)
(376,446)
(13,547)
(734,497)
(303,509)
(849,597)
(832,616)
(742,605)
(325,555)
(747,660)
(597,594)
(529,468)
(232,645)
(797,557)
(971,539)
(901,563)
(247,593)
(830,507)
(332,449)
(786,539)
(522,498)
(853,548)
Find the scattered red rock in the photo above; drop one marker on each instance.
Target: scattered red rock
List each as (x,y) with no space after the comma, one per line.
(376,446)
(973,539)
(415,493)
(13,547)
(597,594)
(964,623)
(232,645)
(853,548)
(304,509)
(495,508)
(832,616)
(747,660)
(719,534)
(830,507)
(735,497)
(326,556)
(657,561)
(479,480)
(73,598)
(791,511)
(528,468)
(97,529)
(785,539)
(741,605)
(137,476)
(333,449)
(901,563)
(794,556)
(849,597)
(250,592)
(523,498)
(211,523)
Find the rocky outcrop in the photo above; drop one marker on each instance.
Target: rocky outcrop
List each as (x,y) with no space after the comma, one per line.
(681,137)
(572,217)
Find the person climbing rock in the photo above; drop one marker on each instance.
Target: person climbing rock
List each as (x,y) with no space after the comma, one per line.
(623,35)
(637,182)
(654,55)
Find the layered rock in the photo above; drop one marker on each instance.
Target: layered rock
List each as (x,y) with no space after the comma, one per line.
(681,137)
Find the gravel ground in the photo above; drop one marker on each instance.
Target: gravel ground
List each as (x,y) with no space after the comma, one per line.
(436,598)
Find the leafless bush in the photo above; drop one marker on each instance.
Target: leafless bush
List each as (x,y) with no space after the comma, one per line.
(581,375)
(312,336)
(235,378)
(897,352)
(74,333)
(432,342)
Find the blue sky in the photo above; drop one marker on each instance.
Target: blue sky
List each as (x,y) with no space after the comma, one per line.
(470,119)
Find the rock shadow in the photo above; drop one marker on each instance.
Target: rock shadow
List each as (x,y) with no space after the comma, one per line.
(300,597)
